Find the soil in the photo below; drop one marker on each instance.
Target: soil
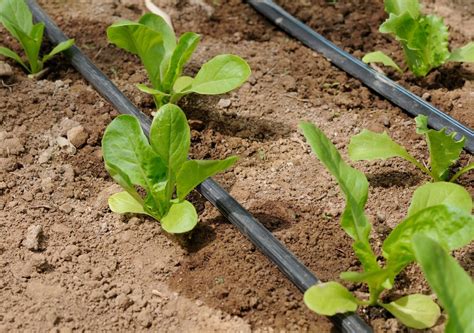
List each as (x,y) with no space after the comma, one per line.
(69,264)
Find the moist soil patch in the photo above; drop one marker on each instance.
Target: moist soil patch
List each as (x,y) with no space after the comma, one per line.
(84,268)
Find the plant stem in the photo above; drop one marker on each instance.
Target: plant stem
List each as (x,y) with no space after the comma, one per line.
(462,171)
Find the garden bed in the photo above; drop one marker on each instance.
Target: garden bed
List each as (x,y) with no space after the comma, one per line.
(98,270)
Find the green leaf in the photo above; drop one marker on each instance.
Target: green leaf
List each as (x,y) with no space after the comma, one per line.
(194,172)
(440,193)
(444,149)
(16,12)
(462,171)
(143,41)
(126,148)
(452,285)
(61,47)
(158,24)
(11,54)
(463,54)
(354,185)
(377,278)
(123,180)
(182,83)
(181,217)
(399,7)
(123,203)
(148,90)
(424,40)
(183,51)
(329,298)
(379,56)
(416,311)
(221,74)
(451,227)
(368,146)
(170,136)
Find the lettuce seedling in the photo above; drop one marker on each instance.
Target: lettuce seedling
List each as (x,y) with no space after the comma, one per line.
(424,39)
(440,210)
(154,41)
(444,150)
(159,167)
(443,272)
(17,19)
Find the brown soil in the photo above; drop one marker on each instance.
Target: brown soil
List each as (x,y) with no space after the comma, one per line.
(96,271)
(353,25)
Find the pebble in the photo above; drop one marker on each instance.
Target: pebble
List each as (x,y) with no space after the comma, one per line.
(123,301)
(64,143)
(288,82)
(5,69)
(66,124)
(426,96)
(11,146)
(45,156)
(224,103)
(77,136)
(145,318)
(34,238)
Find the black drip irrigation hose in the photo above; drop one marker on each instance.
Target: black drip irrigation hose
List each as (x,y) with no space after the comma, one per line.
(392,91)
(263,239)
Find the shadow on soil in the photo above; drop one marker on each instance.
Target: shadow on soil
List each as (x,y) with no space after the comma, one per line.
(393,178)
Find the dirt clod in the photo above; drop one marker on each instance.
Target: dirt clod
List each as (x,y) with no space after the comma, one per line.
(77,136)
(34,238)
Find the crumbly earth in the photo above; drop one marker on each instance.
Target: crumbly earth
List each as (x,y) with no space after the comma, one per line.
(68,264)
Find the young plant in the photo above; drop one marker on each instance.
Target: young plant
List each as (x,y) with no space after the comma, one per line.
(17,19)
(424,39)
(443,272)
(444,150)
(154,41)
(159,167)
(445,217)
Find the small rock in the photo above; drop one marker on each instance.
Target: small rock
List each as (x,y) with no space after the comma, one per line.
(34,238)
(12,146)
(197,125)
(123,301)
(65,208)
(47,185)
(64,143)
(45,156)
(426,96)
(77,136)
(66,124)
(386,121)
(288,82)
(5,69)
(145,318)
(224,103)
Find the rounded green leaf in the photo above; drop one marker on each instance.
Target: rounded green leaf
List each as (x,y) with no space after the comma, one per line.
(221,74)
(439,193)
(181,217)
(379,56)
(416,311)
(170,136)
(329,298)
(123,202)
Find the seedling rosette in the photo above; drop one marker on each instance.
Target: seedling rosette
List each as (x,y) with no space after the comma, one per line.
(444,150)
(17,19)
(159,167)
(424,39)
(153,40)
(440,210)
